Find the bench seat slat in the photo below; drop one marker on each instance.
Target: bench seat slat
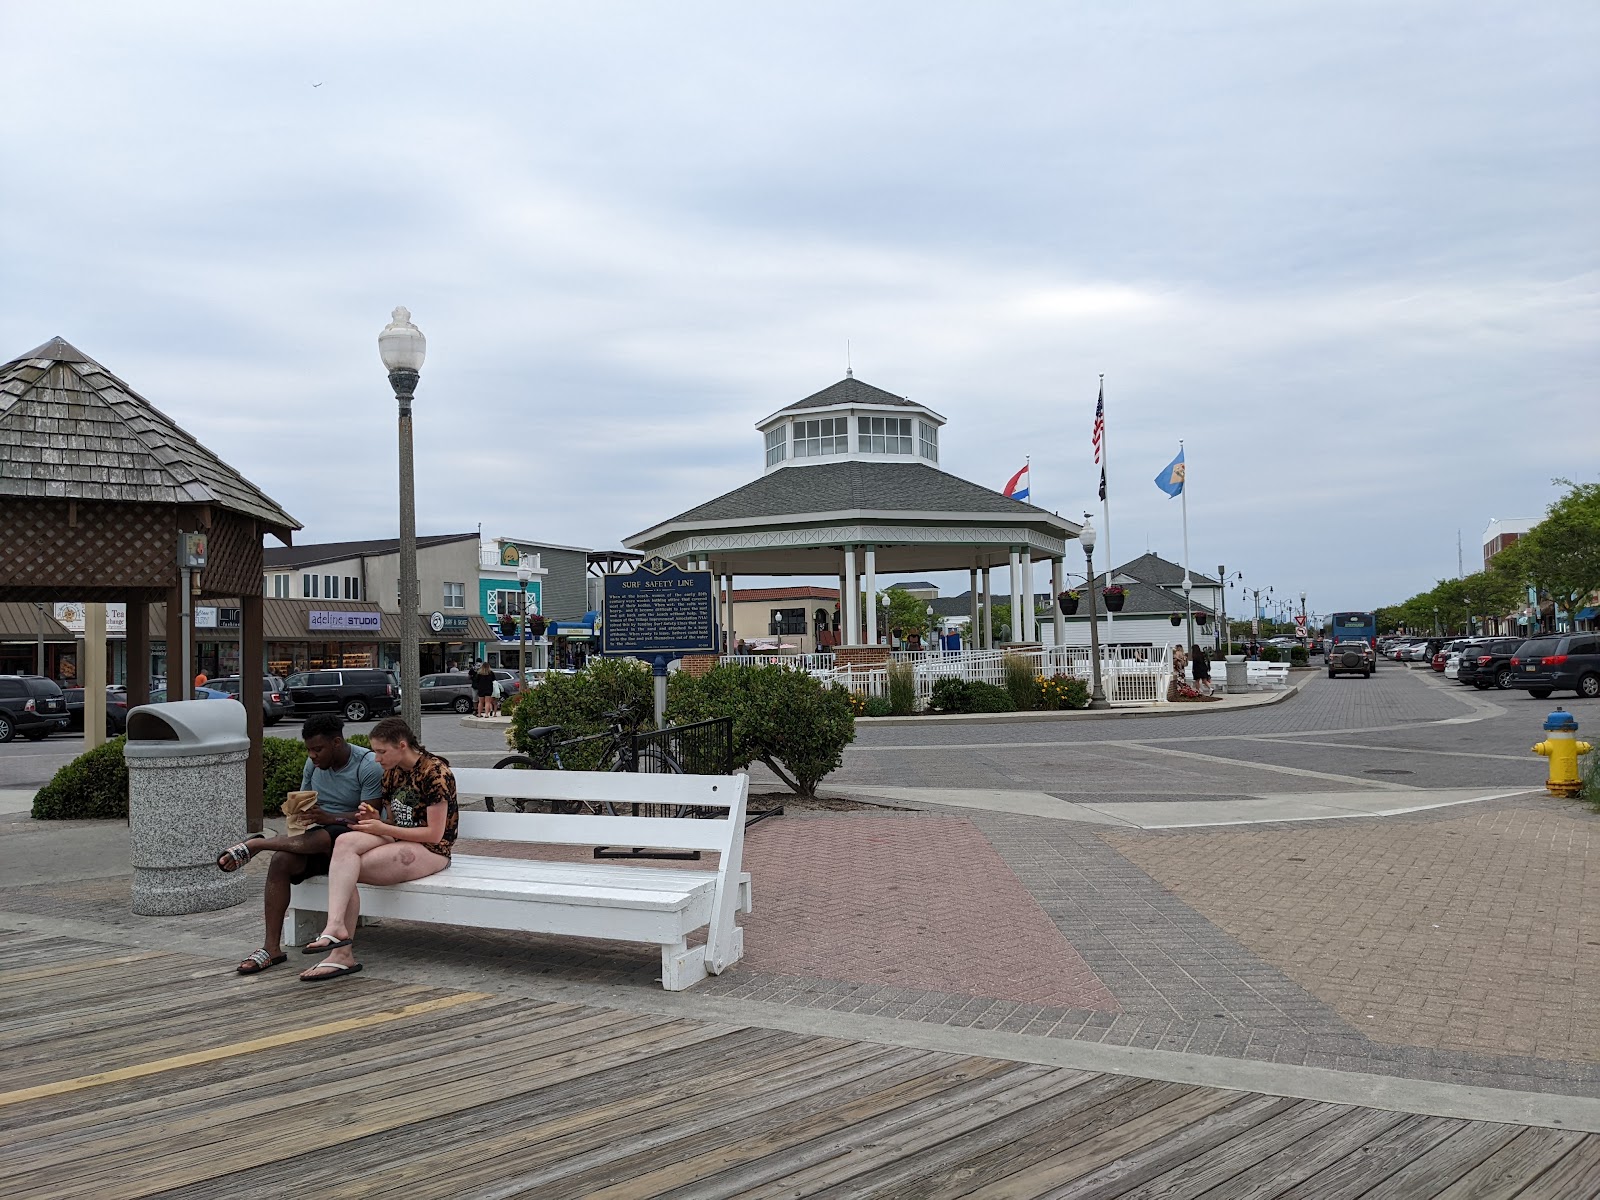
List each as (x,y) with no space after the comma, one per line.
(703,791)
(610,874)
(660,833)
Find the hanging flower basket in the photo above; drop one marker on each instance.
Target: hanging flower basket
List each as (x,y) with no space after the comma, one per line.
(1175,619)
(1068,602)
(1202,619)
(1115,596)
(508,628)
(536,625)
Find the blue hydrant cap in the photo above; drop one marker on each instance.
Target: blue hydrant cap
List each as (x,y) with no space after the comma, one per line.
(1561,721)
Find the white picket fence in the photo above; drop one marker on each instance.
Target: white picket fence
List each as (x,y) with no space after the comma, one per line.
(800,662)
(1129,676)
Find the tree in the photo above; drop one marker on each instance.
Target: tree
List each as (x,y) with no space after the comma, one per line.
(1561,554)
(906,613)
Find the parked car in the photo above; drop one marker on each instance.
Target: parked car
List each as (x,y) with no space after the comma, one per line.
(32,706)
(1351,658)
(357,693)
(159,696)
(1558,662)
(116,714)
(1487,662)
(272,705)
(450,690)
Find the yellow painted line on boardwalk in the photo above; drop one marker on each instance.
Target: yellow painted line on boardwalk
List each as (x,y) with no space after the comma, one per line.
(67,966)
(234,1049)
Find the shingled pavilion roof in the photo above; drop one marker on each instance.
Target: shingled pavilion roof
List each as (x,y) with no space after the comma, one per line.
(71,430)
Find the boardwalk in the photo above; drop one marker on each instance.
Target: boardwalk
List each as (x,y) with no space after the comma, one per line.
(150,1073)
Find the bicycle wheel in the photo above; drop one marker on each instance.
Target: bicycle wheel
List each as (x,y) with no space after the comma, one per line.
(513,762)
(653,760)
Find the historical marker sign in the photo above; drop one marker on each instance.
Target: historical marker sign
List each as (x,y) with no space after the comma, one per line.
(659,610)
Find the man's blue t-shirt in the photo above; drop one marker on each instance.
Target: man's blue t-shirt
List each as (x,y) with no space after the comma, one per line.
(361,778)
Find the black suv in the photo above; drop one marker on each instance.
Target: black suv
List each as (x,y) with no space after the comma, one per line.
(1486,664)
(32,706)
(358,694)
(1558,662)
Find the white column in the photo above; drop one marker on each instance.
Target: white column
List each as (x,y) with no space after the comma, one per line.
(871,587)
(1028,633)
(972,591)
(988,632)
(843,612)
(1014,579)
(733,637)
(852,630)
(1056,588)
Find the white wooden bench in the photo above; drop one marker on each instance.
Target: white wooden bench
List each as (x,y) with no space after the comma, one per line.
(1268,674)
(596,899)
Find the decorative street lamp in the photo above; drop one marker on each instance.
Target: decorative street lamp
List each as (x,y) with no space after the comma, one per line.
(402,348)
(1097,693)
(1188,610)
(1436,619)
(524,574)
(933,634)
(888,634)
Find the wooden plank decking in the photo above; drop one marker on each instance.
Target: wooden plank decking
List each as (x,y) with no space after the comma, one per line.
(156,1074)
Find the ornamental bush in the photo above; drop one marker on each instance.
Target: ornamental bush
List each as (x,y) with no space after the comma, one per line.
(952,695)
(283,764)
(578,703)
(902,691)
(880,706)
(1020,685)
(1270,653)
(1056,692)
(93,786)
(1298,656)
(782,718)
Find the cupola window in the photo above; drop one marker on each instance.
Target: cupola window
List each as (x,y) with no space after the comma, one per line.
(884,435)
(826,435)
(928,440)
(777,444)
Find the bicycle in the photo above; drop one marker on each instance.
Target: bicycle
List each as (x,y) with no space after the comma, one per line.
(619,753)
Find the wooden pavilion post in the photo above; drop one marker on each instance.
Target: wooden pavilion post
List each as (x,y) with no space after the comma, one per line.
(180,684)
(138,653)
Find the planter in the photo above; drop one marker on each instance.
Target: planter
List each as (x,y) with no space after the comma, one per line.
(536,626)
(1176,620)
(1114,597)
(1068,602)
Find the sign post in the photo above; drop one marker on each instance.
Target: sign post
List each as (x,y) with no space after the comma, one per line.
(659,612)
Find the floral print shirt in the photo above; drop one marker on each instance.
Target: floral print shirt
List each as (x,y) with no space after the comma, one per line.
(410,791)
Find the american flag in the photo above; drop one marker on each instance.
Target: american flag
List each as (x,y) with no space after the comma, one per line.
(1100,424)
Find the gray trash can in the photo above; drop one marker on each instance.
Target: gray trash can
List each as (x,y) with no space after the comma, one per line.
(1238,675)
(186,763)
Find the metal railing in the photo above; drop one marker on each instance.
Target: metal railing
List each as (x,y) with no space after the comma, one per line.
(800,662)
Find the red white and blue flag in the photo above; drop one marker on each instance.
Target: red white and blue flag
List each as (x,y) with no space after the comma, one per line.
(1099,425)
(1017,489)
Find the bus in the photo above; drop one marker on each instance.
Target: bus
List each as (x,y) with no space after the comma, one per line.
(1352,627)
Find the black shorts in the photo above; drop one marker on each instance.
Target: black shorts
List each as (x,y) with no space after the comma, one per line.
(317,864)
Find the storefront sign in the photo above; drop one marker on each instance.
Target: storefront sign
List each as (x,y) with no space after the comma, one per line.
(659,609)
(440,623)
(205,618)
(323,621)
(71,615)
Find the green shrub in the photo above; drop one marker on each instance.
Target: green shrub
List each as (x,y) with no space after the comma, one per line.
(881,706)
(987,698)
(1062,691)
(1270,653)
(283,764)
(949,695)
(902,691)
(93,786)
(786,720)
(1591,778)
(1021,682)
(578,703)
(1299,656)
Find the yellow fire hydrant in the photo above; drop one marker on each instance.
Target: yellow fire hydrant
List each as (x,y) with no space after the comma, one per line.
(1562,748)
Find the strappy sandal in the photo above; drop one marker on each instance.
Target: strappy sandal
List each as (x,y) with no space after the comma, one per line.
(259,961)
(237,855)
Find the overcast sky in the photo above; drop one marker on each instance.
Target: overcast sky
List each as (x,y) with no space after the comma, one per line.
(1347,251)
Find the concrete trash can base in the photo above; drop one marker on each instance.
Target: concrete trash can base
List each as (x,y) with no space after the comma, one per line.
(186,767)
(1238,674)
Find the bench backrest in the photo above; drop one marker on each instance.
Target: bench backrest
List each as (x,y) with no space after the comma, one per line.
(622,789)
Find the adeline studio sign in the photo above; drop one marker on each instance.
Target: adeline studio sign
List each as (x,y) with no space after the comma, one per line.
(322,621)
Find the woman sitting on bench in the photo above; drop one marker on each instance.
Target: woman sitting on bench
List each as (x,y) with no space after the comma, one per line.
(410,839)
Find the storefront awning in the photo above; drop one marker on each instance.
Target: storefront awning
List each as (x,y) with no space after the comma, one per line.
(1587,614)
(574,630)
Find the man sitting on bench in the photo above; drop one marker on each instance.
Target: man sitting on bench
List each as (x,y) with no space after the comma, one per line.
(343,776)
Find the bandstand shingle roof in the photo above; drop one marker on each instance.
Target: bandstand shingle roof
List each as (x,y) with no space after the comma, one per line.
(71,430)
(848,390)
(856,486)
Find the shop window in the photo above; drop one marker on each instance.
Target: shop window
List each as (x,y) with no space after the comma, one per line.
(928,440)
(352,587)
(280,587)
(826,435)
(884,435)
(506,603)
(788,621)
(308,587)
(330,586)
(777,445)
(455,595)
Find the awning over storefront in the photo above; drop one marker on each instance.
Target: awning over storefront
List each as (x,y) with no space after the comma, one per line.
(1588,614)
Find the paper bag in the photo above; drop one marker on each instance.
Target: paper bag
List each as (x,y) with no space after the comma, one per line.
(295,805)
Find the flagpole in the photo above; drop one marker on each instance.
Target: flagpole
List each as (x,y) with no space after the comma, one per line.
(1187,584)
(1105,503)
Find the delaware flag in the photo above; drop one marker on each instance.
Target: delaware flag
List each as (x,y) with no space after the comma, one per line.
(1017,489)
(1170,480)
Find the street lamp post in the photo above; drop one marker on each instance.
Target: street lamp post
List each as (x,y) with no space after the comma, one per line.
(402,348)
(888,634)
(524,574)
(1467,600)
(1188,609)
(1097,692)
(933,634)
(1436,619)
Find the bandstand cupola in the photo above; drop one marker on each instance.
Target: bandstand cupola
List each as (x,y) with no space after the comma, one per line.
(850,421)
